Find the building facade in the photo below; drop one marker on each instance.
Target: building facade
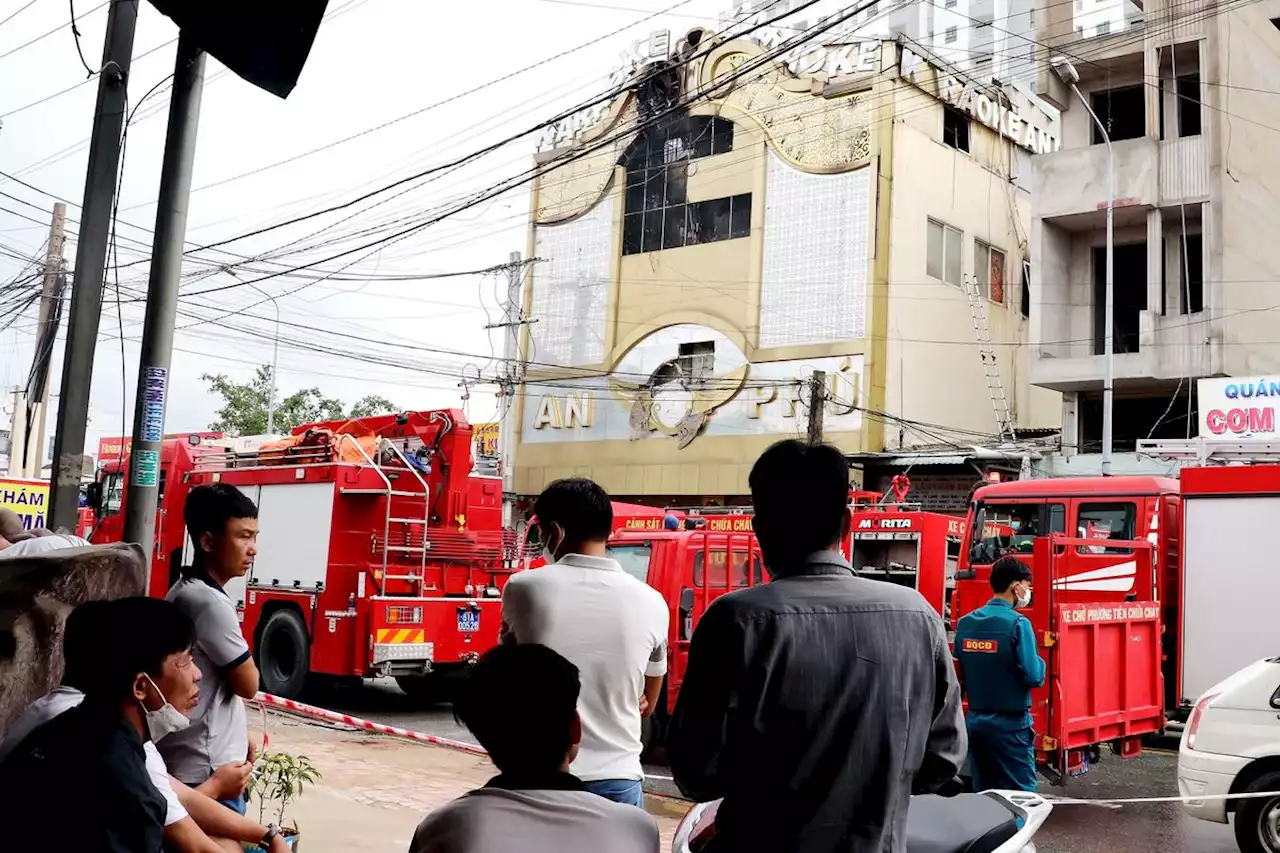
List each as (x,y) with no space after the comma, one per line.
(1183,93)
(712,237)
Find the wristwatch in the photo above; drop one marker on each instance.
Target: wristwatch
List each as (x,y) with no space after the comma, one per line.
(273,832)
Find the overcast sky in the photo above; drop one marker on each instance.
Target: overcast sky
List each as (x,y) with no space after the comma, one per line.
(374,61)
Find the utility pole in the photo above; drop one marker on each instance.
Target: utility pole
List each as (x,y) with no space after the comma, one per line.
(817,403)
(275,365)
(46,333)
(162,296)
(91,259)
(510,379)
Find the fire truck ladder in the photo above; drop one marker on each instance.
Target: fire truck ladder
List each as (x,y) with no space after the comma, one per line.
(1210,451)
(389,493)
(990,367)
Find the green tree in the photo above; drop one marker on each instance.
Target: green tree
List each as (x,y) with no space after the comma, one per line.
(373,405)
(244,405)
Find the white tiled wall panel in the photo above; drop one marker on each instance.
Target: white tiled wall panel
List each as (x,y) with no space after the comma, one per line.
(571,289)
(816,234)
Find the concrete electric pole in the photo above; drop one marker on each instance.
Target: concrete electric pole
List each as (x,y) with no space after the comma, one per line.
(90,268)
(511,376)
(162,296)
(46,334)
(817,405)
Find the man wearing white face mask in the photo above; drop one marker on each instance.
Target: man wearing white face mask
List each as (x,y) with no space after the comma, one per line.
(610,625)
(999,667)
(193,821)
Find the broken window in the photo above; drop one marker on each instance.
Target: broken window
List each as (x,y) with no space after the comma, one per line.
(657,213)
(1025,304)
(988,266)
(1122,111)
(955,129)
(1130,277)
(943,254)
(1189,105)
(698,360)
(1192,272)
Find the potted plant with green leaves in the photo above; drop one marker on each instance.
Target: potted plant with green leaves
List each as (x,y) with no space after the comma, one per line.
(278,779)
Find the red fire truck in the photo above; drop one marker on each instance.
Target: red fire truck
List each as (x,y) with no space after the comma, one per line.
(715,552)
(380,552)
(691,567)
(1103,553)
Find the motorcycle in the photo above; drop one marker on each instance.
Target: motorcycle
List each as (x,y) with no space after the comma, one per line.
(990,822)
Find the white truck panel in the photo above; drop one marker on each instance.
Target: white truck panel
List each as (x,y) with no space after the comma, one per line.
(294,523)
(1231,586)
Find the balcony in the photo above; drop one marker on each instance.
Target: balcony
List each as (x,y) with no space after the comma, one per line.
(1172,347)
(1072,184)
(1184,170)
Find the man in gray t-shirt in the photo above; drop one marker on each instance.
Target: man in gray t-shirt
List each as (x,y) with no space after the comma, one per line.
(223,525)
(534,804)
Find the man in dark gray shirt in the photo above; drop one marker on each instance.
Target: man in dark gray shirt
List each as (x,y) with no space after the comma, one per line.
(520,702)
(816,704)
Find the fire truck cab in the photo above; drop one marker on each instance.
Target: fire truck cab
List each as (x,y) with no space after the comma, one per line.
(692,567)
(714,552)
(379,551)
(1105,576)
(900,543)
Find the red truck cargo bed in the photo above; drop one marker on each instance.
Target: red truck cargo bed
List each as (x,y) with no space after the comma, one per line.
(1106,673)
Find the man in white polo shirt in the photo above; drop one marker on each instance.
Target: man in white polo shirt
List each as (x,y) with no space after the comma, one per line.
(609,625)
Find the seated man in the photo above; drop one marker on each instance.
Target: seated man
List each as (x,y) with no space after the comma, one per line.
(191,815)
(521,704)
(37,542)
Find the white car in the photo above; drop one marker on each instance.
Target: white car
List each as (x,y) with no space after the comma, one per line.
(1231,745)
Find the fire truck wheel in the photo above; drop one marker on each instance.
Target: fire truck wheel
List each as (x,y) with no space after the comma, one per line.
(284,654)
(1257,822)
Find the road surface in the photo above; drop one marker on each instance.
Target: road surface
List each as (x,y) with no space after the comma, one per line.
(1071,829)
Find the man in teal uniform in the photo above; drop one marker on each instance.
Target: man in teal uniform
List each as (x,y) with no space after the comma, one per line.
(999,668)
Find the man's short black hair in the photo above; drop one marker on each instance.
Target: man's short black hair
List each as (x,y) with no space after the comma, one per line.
(1007,571)
(135,635)
(579,506)
(801,497)
(84,639)
(211,506)
(520,702)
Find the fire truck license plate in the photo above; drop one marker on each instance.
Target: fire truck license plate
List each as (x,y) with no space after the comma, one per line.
(468,621)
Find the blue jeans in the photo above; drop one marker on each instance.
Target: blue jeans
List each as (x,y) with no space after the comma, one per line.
(1001,759)
(237,805)
(629,792)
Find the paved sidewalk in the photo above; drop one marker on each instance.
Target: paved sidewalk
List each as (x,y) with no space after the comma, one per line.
(376,789)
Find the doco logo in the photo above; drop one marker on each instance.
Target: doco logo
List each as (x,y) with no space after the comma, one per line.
(986,646)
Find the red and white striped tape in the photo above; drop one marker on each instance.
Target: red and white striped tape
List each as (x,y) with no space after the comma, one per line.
(265,700)
(305,710)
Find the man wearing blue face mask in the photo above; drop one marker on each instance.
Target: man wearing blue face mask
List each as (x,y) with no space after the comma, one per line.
(995,647)
(193,821)
(610,625)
